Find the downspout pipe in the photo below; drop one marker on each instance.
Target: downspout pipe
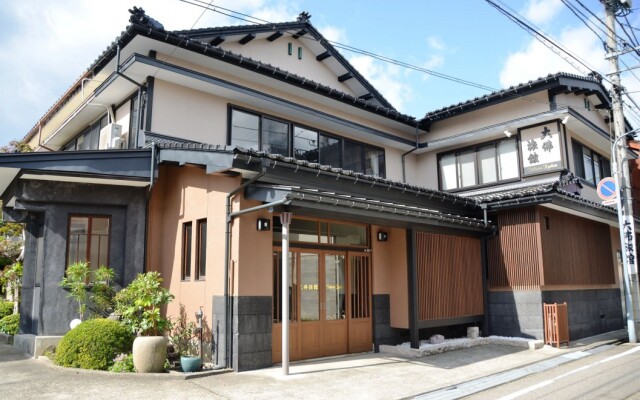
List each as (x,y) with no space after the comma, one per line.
(118,68)
(404,174)
(152,171)
(227,253)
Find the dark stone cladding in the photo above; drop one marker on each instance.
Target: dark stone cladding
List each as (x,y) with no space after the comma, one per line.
(45,308)
(383,333)
(591,312)
(252,321)
(520,313)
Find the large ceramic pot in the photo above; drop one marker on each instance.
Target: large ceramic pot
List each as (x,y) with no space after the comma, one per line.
(190,363)
(149,353)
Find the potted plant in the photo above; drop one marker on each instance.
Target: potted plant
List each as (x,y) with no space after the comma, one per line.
(139,306)
(185,341)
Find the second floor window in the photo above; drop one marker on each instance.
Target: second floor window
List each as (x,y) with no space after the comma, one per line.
(483,164)
(589,165)
(260,132)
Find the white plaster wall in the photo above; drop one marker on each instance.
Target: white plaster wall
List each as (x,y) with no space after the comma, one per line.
(188,114)
(488,116)
(576,102)
(276,54)
(123,118)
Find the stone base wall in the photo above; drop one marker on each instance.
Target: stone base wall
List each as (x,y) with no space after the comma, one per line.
(520,313)
(383,333)
(591,312)
(517,313)
(251,339)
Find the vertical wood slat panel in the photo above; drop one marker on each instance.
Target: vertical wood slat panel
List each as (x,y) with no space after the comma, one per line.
(576,251)
(513,255)
(449,276)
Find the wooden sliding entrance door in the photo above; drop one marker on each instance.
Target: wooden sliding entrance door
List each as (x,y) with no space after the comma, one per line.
(330,294)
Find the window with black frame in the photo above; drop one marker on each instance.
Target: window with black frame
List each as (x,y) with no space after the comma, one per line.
(259,132)
(484,164)
(589,165)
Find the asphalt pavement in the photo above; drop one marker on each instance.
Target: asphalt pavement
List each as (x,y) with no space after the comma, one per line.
(364,376)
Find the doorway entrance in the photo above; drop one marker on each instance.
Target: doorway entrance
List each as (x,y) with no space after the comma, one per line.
(329,303)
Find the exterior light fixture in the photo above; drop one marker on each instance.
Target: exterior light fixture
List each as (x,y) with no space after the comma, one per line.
(263,224)
(565,120)
(382,236)
(508,133)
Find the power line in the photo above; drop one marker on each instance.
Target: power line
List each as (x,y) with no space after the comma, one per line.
(256,21)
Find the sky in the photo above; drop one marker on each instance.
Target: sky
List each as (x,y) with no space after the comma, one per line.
(45,45)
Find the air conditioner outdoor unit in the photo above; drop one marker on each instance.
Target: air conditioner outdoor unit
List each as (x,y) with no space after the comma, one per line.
(110,137)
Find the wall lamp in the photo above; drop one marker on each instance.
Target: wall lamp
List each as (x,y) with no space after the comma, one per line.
(263,224)
(508,133)
(565,120)
(382,236)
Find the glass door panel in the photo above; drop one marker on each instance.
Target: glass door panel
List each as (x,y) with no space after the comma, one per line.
(334,271)
(309,287)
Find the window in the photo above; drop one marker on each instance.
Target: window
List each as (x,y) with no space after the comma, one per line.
(275,137)
(245,129)
(258,132)
(331,233)
(88,240)
(201,249)
(186,251)
(589,165)
(484,164)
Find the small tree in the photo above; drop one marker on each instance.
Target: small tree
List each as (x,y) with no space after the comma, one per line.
(139,305)
(76,283)
(12,279)
(102,291)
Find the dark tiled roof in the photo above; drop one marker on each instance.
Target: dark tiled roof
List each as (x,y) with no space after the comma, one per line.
(181,39)
(357,176)
(512,92)
(565,187)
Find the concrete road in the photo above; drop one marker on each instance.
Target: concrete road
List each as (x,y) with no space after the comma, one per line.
(365,376)
(613,373)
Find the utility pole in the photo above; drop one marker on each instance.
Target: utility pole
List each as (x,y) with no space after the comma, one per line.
(621,172)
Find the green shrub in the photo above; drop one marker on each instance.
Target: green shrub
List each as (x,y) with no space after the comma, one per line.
(93,344)
(123,363)
(6,308)
(10,324)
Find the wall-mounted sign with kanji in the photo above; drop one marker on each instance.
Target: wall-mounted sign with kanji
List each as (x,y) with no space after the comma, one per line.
(540,148)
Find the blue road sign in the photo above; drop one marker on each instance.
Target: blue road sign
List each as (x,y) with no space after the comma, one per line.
(607,189)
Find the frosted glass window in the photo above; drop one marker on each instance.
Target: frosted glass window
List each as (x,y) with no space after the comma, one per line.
(448,175)
(508,159)
(467,168)
(487,160)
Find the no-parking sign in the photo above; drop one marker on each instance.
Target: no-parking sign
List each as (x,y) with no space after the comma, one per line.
(607,189)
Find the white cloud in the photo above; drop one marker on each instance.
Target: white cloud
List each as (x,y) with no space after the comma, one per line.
(386,78)
(334,34)
(537,60)
(50,43)
(542,11)
(435,43)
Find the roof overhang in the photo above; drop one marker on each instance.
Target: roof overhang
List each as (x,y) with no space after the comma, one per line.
(311,202)
(107,167)
(138,67)
(565,203)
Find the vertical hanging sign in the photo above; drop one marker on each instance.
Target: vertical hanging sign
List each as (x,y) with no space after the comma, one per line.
(540,149)
(629,243)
